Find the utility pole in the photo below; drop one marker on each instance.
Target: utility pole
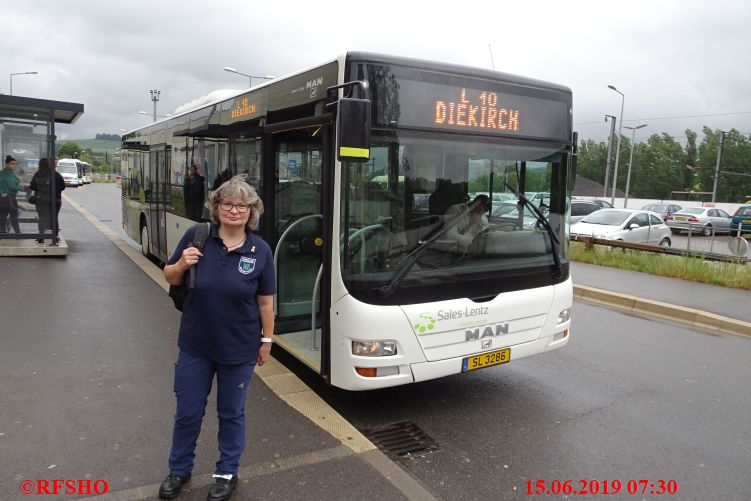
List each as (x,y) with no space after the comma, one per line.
(717,166)
(610,149)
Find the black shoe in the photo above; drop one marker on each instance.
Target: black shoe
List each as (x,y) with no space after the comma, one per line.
(40,240)
(222,489)
(172,486)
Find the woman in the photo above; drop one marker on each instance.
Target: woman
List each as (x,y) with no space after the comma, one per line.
(9,186)
(226,329)
(41,183)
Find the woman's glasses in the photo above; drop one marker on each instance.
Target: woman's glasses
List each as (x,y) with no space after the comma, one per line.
(241,208)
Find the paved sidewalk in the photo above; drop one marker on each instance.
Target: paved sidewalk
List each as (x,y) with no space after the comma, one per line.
(86,367)
(733,303)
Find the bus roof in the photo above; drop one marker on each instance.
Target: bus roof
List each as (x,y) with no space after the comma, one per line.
(204,104)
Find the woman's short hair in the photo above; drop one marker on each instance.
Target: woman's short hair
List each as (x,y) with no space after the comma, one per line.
(237,187)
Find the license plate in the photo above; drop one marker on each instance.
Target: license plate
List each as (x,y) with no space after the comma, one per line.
(486,360)
(747,220)
(679,218)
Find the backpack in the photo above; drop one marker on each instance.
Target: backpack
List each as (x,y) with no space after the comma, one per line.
(178,292)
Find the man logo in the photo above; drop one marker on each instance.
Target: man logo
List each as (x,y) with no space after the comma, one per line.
(487,332)
(487,343)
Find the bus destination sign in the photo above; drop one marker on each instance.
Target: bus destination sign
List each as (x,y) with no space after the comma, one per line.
(473,110)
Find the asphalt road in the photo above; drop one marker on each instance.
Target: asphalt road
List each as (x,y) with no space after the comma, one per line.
(639,399)
(627,399)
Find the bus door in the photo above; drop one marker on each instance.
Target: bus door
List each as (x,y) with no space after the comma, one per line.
(156,186)
(298,159)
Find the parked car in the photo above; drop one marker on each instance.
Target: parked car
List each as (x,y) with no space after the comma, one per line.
(629,225)
(664,210)
(581,208)
(604,204)
(742,218)
(701,220)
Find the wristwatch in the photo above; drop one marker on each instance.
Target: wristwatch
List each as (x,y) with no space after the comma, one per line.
(267,340)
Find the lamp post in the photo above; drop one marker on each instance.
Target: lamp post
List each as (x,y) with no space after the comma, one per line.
(250,77)
(618,149)
(33,72)
(155,98)
(630,159)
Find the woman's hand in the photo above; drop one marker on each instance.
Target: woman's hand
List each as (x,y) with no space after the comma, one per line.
(263,354)
(190,256)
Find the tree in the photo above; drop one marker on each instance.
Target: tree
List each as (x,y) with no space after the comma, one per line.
(735,167)
(591,160)
(69,150)
(658,167)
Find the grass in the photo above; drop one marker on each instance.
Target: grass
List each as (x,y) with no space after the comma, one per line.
(695,269)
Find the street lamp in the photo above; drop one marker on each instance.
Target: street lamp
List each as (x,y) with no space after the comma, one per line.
(618,149)
(250,77)
(151,114)
(33,72)
(630,159)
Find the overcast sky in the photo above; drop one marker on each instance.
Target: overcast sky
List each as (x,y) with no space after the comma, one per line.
(670,58)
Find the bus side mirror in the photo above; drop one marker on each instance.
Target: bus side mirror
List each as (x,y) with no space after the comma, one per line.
(353,130)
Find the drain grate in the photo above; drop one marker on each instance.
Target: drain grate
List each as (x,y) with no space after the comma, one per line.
(403,440)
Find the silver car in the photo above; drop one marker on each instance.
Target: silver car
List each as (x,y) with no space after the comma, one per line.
(629,225)
(701,220)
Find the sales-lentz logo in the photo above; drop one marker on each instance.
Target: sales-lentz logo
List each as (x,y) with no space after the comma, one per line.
(85,487)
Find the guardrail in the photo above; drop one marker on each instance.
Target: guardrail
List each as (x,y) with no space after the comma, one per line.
(619,244)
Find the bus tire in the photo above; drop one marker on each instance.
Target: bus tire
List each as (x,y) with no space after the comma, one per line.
(145,247)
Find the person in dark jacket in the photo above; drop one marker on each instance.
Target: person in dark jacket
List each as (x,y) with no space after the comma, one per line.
(9,186)
(41,183)
(194,194)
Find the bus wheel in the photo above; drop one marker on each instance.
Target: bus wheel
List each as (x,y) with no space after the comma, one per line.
(145,247)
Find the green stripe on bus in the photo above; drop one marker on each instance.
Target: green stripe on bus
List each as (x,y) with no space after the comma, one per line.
(345,151)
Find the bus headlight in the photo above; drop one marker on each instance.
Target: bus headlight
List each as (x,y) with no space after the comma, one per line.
(564,316)
(374,348)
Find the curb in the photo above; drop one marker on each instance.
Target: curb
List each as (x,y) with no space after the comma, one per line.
(656,309)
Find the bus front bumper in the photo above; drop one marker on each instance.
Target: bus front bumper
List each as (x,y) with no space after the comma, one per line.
(430,370)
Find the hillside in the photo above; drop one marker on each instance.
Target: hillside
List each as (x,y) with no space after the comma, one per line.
(98,146)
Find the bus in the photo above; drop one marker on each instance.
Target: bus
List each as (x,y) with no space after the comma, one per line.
(85,172)
(365,165)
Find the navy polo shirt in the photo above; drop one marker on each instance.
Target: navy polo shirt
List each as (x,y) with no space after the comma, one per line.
(221,319)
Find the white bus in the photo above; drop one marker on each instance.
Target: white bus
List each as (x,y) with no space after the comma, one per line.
(364,165)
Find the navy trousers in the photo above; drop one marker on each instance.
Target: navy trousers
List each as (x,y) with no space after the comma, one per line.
(193,378)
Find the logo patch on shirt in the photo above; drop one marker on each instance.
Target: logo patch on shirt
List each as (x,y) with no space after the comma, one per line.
(247,265)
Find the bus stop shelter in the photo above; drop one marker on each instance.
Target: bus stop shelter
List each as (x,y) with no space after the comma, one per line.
(27,133)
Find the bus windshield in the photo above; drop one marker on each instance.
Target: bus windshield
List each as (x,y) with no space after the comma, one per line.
(430,203)
(67,168)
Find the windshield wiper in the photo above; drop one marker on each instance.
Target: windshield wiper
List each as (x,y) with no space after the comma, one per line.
(558,270)
(410,259)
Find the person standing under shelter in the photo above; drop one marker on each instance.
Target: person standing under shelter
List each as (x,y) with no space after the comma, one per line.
(226,330)
(9,186)
(194,193)
(41,183)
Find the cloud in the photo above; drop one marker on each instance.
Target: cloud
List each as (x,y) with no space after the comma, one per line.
(670,58)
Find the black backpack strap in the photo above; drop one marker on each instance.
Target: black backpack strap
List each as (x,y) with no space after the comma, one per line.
(199,240)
